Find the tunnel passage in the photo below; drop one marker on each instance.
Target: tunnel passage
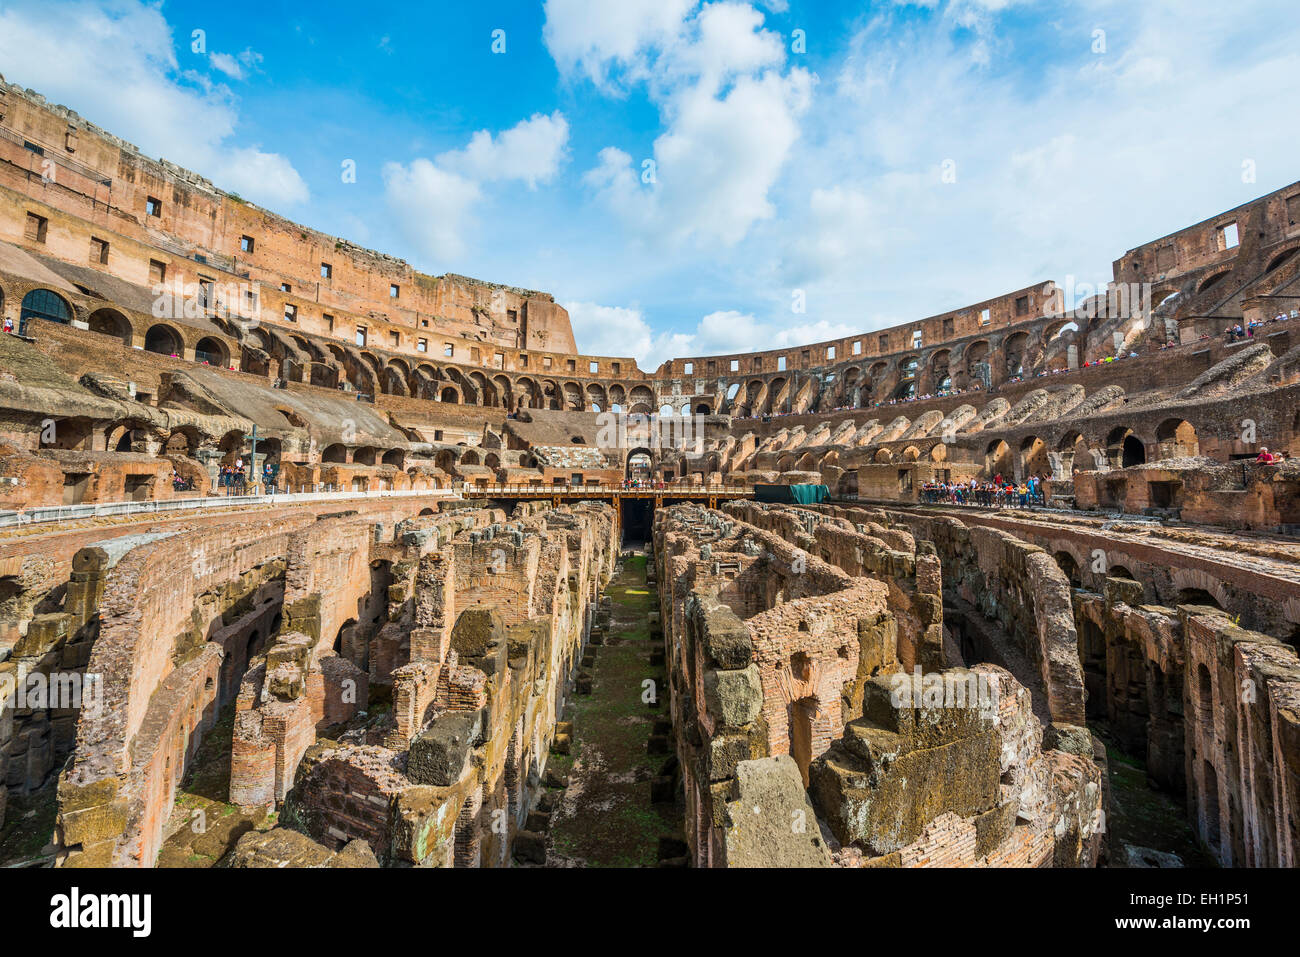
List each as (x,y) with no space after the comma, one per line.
(637,514)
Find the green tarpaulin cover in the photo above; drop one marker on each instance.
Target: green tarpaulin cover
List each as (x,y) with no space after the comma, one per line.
(797,494)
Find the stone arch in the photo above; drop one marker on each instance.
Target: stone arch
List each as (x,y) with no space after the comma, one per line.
(527,393)
(336,453)
(552,395)
(1015,351)
(1177,439)
(163,340)
(802,716)
(1058,328)
(883,456)
(1280,258)
(393,380)
(232,446)
(501,385)
(183,441)
(1033,457)
(45,304)
(1069,566)
(640,455)
(110,322)
(1072,455)
(1124,449)
(940,373)
(998,459)
(486,390)
(1192,582)
(212,351)
(1212,280)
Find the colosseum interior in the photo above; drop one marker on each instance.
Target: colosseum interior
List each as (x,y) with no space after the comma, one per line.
(479,600)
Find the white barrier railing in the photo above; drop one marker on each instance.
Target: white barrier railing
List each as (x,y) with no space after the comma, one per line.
(69,513)
(566,489)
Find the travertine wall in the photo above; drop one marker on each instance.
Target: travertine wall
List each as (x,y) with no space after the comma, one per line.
(772,651)
(1212,709)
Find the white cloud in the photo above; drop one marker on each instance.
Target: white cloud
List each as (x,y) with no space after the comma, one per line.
(1059,166)
(597,38)
(610,330)
(620,331)
(532,151)
(433,202)
(250,172)
(730,112)
(115,64)
(234,65)
(431,206)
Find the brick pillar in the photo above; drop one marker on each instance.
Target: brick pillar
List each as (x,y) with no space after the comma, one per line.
(468,838)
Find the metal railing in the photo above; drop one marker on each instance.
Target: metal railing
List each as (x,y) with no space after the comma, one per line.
(70,513)
(567,489)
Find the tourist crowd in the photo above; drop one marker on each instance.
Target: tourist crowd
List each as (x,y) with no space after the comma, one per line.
(999,493)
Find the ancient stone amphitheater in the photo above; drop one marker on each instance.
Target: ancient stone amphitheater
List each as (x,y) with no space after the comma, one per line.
(311,559)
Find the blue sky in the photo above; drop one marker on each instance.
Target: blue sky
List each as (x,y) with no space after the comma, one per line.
(904,159)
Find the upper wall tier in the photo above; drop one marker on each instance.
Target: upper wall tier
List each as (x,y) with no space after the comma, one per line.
(78,194)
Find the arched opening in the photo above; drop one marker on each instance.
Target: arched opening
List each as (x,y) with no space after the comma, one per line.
(1135,452)
(212,352)
(1072,453)
(1280,258)
(164,340)
(252,646)
(44,304)
(449,395)
(702,409)
(977,363)
(803,714)
(336,453)
(639,464)
(997,460)
(395,457)
(110,322)
(1124,449)
(1069,567)
(939,371)
(182,442)
(1177,439)
(1197,596)
(1212,281)
(365,455)
(1120,571)
(1033,458)
(1015,350)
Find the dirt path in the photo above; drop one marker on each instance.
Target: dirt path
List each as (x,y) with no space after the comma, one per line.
(606,818)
